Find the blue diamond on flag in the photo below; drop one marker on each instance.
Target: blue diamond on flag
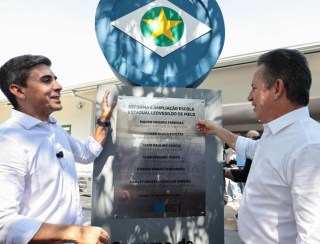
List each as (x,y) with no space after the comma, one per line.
(162,22)
(160,43)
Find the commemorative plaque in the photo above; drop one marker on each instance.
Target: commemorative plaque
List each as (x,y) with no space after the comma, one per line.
(159,161)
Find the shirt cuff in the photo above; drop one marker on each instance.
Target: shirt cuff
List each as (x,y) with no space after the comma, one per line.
(23,230)
(94,146)
(241,145)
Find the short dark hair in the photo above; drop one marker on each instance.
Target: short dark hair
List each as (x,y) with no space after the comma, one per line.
(292,67)
(16,71)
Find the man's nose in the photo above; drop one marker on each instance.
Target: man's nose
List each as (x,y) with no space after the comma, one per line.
(57,85)
(249,96)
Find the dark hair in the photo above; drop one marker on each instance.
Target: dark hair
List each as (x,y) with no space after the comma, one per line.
(16,71)
(292,67)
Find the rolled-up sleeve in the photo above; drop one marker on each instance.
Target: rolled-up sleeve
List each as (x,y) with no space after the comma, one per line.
(22,230)
(85,152)
(246,147)
(94,146)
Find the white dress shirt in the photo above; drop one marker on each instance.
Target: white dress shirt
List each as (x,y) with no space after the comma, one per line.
(35,185)
(281,200)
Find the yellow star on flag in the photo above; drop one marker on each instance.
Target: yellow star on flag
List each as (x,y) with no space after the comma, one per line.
(162,26)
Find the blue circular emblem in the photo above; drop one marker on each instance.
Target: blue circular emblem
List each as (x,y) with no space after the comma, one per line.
(160,43)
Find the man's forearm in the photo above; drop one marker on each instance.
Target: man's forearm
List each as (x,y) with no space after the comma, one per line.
(226,136)
(57,233)
(228,174)
(53,233)
(208,127)
(100,134)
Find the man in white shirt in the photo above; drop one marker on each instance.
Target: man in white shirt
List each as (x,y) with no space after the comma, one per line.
(39,195)
(281,200)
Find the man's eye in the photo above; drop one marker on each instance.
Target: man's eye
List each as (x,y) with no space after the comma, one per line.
(46,79)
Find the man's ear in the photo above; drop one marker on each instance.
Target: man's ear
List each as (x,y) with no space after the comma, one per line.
(18,91)
(279,87)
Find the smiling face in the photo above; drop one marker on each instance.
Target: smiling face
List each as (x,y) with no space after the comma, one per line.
(261,97)
(41,96)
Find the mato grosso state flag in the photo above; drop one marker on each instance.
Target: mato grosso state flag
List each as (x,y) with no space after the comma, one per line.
(161,26)
(160,43)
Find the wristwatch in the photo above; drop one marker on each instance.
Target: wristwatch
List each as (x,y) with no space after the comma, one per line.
(102,123)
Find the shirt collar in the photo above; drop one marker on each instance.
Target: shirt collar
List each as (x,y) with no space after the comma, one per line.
(28,121)
(285,120)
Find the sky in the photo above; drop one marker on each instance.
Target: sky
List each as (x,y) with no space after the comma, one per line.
(64,31)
